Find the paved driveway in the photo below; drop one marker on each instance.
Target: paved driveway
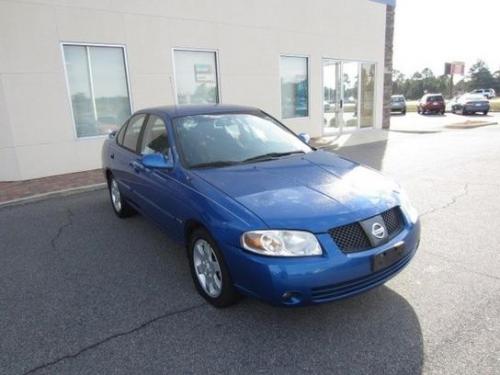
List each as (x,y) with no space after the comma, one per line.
(84,292)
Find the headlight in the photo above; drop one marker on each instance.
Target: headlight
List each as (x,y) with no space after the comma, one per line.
(285,243)
(407,207)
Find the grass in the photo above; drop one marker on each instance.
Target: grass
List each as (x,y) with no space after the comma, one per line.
(411,105)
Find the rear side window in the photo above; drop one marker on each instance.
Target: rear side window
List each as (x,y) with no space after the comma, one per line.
(121,134)
(154,139)
(132,132)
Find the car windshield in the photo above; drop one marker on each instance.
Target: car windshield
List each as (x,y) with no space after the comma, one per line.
(397,99)
(226,139)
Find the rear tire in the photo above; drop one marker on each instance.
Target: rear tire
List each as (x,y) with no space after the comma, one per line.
(209,271)
(120,206)
(485,113)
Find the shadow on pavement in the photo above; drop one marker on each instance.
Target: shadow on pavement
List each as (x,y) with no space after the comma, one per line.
(371,154)
(377,332)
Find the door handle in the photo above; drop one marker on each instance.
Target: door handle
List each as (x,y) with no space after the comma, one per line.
(112,156)
(138,167)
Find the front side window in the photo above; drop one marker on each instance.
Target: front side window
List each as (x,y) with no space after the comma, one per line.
(294,87)
(196,77)
(154,139)
(132,132)
(98,88)
(224,139)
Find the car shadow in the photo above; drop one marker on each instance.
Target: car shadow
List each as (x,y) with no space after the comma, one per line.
(377,332)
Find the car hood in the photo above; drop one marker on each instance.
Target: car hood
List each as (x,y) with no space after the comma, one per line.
(314,192)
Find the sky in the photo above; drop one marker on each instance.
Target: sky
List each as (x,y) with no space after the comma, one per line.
(429,33)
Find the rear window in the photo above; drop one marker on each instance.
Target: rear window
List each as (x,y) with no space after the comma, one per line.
(435,98)
(475,98)
(397,99)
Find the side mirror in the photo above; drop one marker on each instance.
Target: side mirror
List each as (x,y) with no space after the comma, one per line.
(306,138)
(156,161)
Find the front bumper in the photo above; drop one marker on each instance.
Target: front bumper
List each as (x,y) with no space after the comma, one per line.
(312,280)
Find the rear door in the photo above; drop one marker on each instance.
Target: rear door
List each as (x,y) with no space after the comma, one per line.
(126,154)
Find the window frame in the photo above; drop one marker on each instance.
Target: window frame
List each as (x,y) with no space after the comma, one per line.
(68,91)
(308,62)
(217,70)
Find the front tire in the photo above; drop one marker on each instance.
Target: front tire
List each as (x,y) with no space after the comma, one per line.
(485,113)
(120,206)
(209,271)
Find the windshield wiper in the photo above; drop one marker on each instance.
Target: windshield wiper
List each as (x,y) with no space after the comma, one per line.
(215,164)
(271,156)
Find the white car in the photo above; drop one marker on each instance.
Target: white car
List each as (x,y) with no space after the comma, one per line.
(488,93)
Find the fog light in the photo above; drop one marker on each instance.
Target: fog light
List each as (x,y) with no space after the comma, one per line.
(291,298)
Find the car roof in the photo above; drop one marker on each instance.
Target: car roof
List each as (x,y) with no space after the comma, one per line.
(174,111)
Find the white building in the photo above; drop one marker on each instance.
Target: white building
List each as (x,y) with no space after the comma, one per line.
(72,70)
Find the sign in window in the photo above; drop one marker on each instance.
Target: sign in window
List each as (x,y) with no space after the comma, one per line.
(294,87)
(98,88)
(196,77)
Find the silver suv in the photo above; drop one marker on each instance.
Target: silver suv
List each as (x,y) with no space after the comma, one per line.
(488,93)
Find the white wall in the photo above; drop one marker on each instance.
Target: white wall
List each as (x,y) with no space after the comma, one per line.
(37,135)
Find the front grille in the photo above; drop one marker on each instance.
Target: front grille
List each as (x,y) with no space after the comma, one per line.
(393,221)
(351,238)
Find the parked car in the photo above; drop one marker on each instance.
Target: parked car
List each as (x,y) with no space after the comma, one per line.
(398,104)
(470,104)
(433,103)
(260,212)
(488,93)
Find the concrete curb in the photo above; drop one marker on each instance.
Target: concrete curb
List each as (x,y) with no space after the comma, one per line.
(51,194)
(472,126)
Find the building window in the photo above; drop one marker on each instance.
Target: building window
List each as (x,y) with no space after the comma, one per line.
(196,77)
(294,87)
(98,88)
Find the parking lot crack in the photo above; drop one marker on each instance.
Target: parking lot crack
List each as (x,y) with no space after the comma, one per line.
(61,229)
(453,200)
(113,337)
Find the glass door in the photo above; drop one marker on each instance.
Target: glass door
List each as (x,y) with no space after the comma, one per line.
(332,118)
(348,95)
(367,95)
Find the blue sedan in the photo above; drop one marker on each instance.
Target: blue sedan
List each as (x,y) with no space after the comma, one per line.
(260,212)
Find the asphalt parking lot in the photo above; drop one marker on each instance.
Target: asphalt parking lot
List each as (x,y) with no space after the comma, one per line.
(415,123)
(84,292)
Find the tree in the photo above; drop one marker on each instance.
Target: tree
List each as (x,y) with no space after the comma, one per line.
(480,76)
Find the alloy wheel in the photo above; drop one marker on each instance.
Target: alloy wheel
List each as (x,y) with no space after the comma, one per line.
(207,268)
(116,198)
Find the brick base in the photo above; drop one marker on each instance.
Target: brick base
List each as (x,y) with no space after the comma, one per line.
(23,189)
